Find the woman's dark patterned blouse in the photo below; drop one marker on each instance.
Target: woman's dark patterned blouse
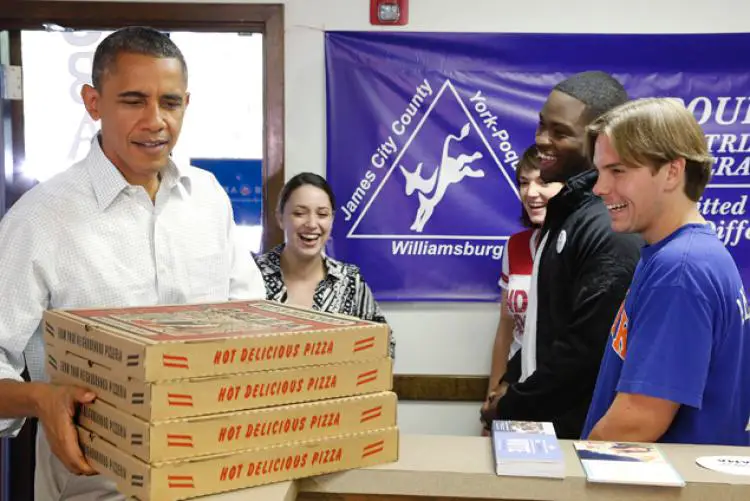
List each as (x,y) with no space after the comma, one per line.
(343,290)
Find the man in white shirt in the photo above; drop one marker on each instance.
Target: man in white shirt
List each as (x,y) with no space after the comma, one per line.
(126,226)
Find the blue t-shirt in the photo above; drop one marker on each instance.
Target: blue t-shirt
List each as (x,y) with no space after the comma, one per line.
(683,334)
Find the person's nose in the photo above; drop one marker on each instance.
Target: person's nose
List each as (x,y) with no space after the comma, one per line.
(153,118)
(602,186)
(542,137)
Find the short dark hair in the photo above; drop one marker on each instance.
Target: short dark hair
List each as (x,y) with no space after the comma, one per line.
(599,91)
(529,161)
(133,40)
(302,179)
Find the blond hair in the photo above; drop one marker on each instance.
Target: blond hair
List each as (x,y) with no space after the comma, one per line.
(653,132)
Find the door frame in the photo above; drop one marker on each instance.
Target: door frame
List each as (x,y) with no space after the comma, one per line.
(267,19)
(6,146)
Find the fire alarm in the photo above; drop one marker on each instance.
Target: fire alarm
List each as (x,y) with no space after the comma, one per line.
(389,12)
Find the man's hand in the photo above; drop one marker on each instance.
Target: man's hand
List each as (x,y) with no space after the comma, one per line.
(489,405)
(56,407)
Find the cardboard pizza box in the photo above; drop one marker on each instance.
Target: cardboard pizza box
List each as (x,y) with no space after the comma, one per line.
(235,431)
(171,342)
(182,398)
(172,481)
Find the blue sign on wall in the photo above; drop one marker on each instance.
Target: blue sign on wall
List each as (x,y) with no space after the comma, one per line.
(424,131)
(243,181)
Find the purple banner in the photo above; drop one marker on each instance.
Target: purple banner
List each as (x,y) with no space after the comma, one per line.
(424,131)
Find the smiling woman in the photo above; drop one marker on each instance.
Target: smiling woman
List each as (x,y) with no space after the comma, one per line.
(298,272)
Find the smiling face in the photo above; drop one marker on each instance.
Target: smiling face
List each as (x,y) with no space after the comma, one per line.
(306,218)
(634,195)
(560,137)
(535,194)
(141,103)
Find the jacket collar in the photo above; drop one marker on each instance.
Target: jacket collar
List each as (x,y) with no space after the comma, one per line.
(577,192)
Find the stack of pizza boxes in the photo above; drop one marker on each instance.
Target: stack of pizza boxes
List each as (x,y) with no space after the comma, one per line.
(198,399)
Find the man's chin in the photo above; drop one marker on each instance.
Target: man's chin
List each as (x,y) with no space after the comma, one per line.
(552,174)
(560,172)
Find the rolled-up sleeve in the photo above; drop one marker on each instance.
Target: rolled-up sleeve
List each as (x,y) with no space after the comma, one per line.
(25,297)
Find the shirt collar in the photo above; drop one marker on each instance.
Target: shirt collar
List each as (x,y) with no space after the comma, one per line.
(335,268)
(108,182)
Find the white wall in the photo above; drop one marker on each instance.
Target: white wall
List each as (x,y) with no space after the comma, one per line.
(456,338)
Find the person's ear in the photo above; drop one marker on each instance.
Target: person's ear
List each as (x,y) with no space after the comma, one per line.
(675,175)
(92,101)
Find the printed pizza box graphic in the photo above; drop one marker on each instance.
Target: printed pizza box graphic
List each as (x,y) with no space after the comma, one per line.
(181,398)
(231,432)
(171,342)
(172,481)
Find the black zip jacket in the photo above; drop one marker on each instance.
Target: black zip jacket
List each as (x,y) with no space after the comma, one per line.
(584,273)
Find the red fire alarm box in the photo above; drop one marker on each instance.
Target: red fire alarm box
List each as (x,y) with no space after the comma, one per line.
(389,12)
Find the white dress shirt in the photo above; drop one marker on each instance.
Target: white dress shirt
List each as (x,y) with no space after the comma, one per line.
(86,238)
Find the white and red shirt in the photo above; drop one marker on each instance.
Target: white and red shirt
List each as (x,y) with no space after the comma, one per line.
(518,262)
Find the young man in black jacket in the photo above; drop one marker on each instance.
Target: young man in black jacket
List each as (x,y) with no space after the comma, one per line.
(581,274)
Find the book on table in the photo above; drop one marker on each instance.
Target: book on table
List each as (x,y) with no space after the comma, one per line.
(626,463)
(527,449)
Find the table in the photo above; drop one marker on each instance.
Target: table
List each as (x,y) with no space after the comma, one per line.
(460,467)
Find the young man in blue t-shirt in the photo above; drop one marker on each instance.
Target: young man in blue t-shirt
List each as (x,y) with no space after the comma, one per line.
(677,368)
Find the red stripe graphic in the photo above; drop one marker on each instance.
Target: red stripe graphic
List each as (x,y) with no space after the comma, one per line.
(174,440)
(372,452)
(367,377)
(370,414)
(364,341)
(374,444)
(373,448)
(363,347)
(364,344)
(370,417)
(181,481)
(175,361)
(179,400)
